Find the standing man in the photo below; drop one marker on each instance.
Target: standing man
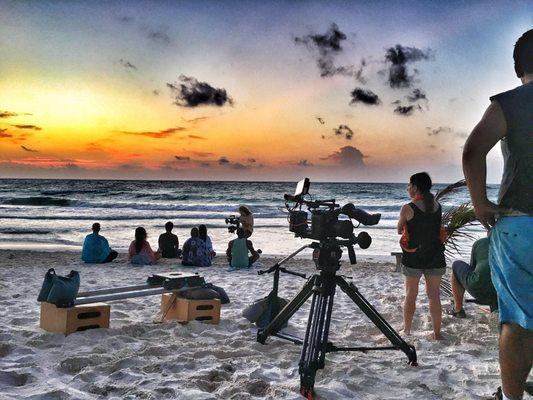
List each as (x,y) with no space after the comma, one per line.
(509,118)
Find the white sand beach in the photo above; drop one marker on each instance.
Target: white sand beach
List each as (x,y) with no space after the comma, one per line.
(137,359)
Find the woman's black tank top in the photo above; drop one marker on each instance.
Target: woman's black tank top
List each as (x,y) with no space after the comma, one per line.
(424,232)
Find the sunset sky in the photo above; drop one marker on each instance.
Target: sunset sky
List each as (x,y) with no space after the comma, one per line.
(338,91)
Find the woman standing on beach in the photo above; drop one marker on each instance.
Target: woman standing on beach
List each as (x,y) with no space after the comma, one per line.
(140,252)
(423,251)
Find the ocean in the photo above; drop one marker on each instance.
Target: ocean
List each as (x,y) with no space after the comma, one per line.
(57,214)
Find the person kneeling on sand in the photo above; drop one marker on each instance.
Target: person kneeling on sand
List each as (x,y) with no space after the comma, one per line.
(474,278)
(193,250)
(169,243)
(140,252)
(238,249)
(96,248)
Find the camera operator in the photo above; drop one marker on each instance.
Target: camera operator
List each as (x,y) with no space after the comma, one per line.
(246,219)
(238,250)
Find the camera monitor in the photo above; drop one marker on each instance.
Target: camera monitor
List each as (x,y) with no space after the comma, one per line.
(302,188)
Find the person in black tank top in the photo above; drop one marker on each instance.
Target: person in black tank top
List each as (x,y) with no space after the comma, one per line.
(423,253)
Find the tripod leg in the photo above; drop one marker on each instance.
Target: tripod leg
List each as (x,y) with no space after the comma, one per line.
(377,319)
(316,340)
(287,312)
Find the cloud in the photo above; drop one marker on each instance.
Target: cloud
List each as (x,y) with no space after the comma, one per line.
(223,161)
(188,92)
(9,114)
(183,158)
(195,120)
(4,134)
(201,154)
(126,64)
(398,57)
(365,96)
(32,127)
(321,120)
(239,166)
(327,46)
(416,95)
(157,134)
(156,92)
(28,149)
(406,110)
(438,131)
(159,35)
(252,160)
(196,137)
(304,163)
(348,156)
(344,130)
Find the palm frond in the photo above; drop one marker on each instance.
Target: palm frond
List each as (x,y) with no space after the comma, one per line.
(450,188)
(454,221)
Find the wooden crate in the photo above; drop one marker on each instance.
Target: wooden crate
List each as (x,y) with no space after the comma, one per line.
(74,319)
(184,310)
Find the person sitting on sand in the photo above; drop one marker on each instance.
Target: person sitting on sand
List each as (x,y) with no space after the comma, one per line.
(169,243)
(246,220)
(140,252)
(239,249)
(194,249)
(210,253)
(474,278)
(96,248)
(423,251)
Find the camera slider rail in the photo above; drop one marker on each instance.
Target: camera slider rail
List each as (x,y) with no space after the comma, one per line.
(170,282)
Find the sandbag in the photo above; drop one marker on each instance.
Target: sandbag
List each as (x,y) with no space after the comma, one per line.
(200,294)
(47,285)
(262,311)
(63,290)
(224,298)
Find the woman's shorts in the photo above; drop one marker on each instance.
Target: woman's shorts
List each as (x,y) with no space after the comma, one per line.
(415,272)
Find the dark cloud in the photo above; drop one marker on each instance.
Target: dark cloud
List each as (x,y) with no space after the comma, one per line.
(416,95)
(182,158)
(156,134)
(398,57)
(406,110)
(201,154)
(32,127)
(365,96)
(28,149)
(348,156)
(156,92)
(251,160)
(438,131)
(4,134)
(223,161)
(344,130)
(159,35)
(321,120)
(304,163)
(327,46)
(195,120)
(7,114)
(196,137)
(239,166)
(188,92)
(126,64)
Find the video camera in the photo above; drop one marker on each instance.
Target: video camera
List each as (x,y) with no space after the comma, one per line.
(325,224)
(234,223)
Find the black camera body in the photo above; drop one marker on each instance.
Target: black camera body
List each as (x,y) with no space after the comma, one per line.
(325,224)
(234,223)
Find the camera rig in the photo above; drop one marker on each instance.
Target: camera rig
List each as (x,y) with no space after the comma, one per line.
(330,234)
(233,222)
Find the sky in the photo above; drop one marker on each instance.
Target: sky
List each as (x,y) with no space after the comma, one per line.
(256,90)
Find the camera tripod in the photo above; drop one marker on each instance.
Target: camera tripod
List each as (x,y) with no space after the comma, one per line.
(322,287)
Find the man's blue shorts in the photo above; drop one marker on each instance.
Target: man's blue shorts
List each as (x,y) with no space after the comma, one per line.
(511,263)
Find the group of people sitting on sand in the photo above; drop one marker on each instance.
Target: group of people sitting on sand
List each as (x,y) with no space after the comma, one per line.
(197,250)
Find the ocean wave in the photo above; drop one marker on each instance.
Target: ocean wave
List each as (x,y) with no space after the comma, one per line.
(29,231)
(37,201)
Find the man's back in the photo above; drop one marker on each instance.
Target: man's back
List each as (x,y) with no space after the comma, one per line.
(95,248)
(516,190)
(168,243)
(479,283)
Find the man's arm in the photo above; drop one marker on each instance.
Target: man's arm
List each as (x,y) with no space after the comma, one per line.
(228,251)
(485,135)
(255,254)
